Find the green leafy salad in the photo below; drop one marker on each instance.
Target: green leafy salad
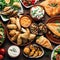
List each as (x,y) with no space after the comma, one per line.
(2,35)
(56,53)
(4,4)
(9,8)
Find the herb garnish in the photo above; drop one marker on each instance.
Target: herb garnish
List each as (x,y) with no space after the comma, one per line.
(56,21)
(2,33)
(14,50)
(53,4)
(58,30)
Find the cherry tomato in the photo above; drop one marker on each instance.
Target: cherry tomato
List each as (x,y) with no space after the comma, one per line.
(25,3)
(1,57)
(2,51)
(0,36)
(33,1)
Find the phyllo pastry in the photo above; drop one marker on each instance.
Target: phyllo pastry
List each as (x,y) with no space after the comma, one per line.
(54,28)
(43,41)
(52,7)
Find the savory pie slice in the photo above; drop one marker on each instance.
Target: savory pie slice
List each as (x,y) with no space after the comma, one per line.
(43,41)
(54,28)
(52,7)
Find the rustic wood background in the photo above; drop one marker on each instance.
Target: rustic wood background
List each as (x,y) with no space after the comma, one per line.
(7,43)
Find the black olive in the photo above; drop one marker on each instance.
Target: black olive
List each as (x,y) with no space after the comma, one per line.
(42,28)
(34,28)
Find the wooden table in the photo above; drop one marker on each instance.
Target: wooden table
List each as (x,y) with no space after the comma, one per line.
(7,43)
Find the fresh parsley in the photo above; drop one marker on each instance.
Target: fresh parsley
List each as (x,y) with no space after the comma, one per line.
(53,4)
(56,21)
(58,29)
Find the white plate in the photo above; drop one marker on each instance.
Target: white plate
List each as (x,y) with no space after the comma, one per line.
(20,11)
(53,52)
(13,54)
(4,19)
(28,6)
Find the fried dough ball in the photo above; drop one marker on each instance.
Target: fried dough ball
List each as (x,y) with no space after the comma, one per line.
(32,47)
(15,36)
(12,32)
(13,20)
(26,50)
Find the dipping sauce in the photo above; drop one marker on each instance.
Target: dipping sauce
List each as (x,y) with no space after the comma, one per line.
(25,21)
(13,51)
(37,12)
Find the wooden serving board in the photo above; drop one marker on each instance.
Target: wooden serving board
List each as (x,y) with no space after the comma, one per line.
(7,43)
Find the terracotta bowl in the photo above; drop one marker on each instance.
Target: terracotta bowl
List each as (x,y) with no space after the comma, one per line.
(55,19)
(14,42)
(26,16)
(4,32)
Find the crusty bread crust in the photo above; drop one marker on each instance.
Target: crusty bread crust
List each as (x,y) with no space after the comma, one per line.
(53,28)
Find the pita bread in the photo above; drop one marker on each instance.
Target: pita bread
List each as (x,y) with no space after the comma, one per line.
(54,28)
(52,7)
(43,41)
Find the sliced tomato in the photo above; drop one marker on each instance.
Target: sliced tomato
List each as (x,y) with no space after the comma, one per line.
(33,1)
(2,51)
(0,36)
(58,57)
(1,57)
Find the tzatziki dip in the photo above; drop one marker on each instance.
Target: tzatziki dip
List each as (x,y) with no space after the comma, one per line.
(13,51)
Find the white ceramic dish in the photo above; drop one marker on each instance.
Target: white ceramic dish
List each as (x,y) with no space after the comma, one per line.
(20,11)
(4,19)
(28,6)
(37,56)
(53,51)
(13,51)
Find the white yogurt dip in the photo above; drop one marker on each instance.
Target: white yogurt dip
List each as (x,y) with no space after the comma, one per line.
(37,12)
(13,51)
